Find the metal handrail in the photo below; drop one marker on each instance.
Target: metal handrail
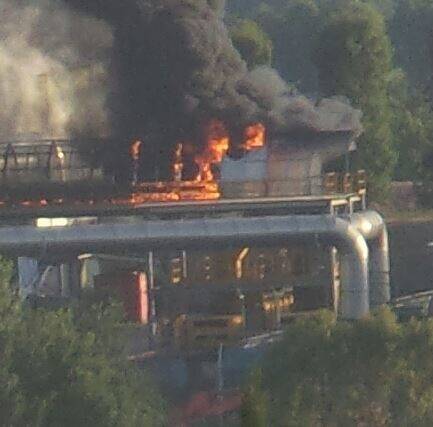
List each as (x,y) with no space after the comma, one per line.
(43,156)
(60,160)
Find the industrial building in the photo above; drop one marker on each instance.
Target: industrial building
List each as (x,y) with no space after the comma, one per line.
(201,263)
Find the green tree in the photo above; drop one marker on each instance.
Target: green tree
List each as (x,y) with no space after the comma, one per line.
(353,57)
(411,32)
(412,128)
(252,42)
(374,372)
(254,403)
(293,27)
(63,369)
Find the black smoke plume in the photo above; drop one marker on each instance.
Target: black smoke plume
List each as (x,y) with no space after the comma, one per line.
(172,67)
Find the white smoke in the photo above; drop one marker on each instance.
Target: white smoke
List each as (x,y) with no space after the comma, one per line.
(53,75)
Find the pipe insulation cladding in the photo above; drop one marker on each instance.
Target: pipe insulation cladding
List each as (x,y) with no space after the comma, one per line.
(198,233)
(372,226)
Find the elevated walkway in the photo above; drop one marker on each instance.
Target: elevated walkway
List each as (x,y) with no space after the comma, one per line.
(293,205)
(56,178)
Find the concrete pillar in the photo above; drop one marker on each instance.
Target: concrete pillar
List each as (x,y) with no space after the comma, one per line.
(75,278)
(28,274)
(64,280)
(70,279)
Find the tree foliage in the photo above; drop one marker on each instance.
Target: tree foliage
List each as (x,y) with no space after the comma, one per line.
(294,27)
(64,369)
(374,372)
(411,32)
(254,405)
(357,63)
(252,42)
(353,57)
(412,128)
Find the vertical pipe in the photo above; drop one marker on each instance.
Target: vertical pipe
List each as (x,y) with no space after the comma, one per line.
(354,289)
(335,279)
(380,289)
(152,304)
(372,226)
(184,265)
(65,280)
(354,298)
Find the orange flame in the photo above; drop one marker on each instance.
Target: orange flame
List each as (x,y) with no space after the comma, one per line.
(178,163)
(134,149)
(217,145)
(254,137)
(204,187)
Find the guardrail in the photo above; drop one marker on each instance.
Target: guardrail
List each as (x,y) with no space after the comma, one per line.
(345,183)
(333,183)
(53,160)
(59,169)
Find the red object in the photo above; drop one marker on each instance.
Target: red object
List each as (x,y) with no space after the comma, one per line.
(132,288)
(206,404)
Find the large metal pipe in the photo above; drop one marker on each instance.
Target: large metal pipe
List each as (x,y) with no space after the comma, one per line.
(372,226)
(223,232)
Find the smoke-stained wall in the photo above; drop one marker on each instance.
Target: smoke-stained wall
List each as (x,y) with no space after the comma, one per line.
(53,71)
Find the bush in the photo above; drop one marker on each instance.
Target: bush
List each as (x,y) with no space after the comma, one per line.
(254,403)
(354,59)
(64,368)
(374,372)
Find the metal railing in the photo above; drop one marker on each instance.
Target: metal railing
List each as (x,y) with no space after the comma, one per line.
(51,169)
(333,183)
(345,183)
(54,160)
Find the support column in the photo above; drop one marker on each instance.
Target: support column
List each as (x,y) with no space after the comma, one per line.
(28,274)
(70,279)
(65,280)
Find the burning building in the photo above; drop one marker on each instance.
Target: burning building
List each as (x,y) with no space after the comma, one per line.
(292,165)
(151,102)
(164,73)
(136,107)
